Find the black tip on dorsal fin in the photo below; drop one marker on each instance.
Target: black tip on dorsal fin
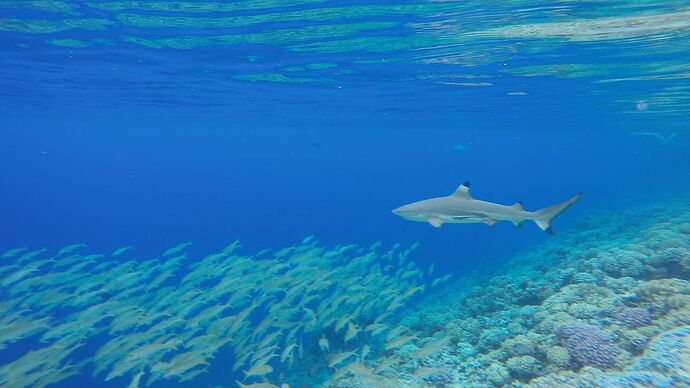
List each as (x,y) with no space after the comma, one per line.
(549,230)
(466,183)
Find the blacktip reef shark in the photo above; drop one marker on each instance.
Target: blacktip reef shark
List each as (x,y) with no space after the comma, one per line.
(461,208)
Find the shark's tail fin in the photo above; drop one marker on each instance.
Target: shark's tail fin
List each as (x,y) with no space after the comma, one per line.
(544,216)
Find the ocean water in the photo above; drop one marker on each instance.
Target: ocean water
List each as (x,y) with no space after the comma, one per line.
(249,154)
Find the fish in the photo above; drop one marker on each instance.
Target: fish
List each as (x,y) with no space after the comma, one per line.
(425,372)
(342,371)
(459,148)
(167,317)
(135,380)
(240,361)
(374,326)
(386,363)
(191,375)
(658,137)
(399,341)
(258,370)
(365,351)
(266,358)
(340,324)
(232,247)
(27,256)
(337,358)
(411,291)
(461,208)
(366,376)
(70,248)
(323,343)
(431,348)
(13,252)
(256,385)
(440,280)
(176,249)
(395,332)
(268,340)
(352,331)
(120,251)
(286,352)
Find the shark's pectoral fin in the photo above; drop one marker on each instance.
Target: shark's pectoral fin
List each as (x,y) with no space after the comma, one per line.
(435,222)
(489,221)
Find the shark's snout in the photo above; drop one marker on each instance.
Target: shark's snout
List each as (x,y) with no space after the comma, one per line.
(400,211)
(406,212)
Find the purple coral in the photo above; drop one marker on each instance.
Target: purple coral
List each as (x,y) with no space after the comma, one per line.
(589,344)
(634,317)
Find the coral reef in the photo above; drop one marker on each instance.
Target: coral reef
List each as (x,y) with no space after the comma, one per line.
(604,305)
(589,344)
(634,317)
(669,353)
(523,367)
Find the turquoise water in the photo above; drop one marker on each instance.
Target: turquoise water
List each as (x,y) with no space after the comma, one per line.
(200,194)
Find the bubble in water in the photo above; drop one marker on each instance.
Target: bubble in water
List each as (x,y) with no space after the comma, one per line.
(641,106)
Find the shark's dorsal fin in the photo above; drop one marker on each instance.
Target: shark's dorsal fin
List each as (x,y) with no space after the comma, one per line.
(463,191)
(518,206)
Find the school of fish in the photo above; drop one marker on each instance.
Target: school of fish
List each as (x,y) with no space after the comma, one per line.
(165,319)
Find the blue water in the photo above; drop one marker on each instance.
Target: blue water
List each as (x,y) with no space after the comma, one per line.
(117,128)
(149,183)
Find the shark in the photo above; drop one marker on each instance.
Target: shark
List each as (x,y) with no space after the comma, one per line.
(461,208)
